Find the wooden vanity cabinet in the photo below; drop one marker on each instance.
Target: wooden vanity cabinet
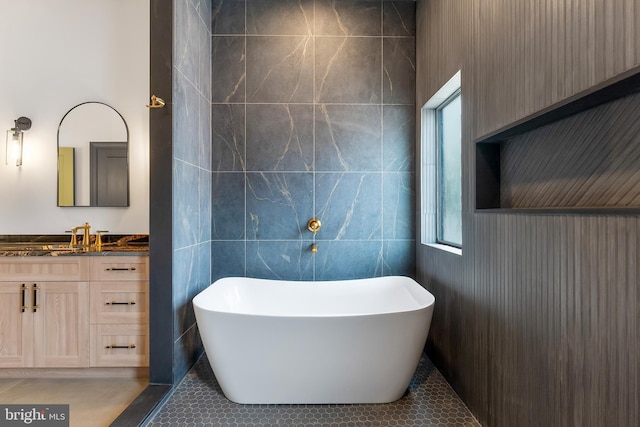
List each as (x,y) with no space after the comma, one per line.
(44,312)
(74,312)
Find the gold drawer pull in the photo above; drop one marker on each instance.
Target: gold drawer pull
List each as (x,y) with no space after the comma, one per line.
(121,346)
(120,303)
(120,269)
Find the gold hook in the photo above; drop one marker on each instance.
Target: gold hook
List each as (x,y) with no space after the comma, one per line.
(156,102)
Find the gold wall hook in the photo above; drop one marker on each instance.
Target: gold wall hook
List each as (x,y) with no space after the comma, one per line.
(156,102)
(313,225)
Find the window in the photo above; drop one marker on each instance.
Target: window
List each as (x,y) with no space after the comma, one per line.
(441,168)
(448,167)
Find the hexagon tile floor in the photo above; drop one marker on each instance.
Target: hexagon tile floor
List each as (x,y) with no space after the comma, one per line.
(198,402)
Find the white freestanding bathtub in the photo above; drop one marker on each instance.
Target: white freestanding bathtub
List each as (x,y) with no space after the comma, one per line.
(354,341)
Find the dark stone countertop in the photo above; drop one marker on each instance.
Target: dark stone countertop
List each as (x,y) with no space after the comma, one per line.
(58,245)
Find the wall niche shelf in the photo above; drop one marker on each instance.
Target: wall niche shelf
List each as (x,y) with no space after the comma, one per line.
(578,156)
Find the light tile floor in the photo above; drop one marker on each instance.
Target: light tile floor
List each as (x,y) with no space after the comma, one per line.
(93,402)
(199,401)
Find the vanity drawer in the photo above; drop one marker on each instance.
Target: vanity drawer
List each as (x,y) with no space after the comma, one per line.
(119,345)
(119,268)
(51,269)
(120,302)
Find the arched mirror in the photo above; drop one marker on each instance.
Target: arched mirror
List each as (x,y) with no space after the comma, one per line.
(93,157)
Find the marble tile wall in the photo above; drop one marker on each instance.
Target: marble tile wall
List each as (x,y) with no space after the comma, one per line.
(191,174)
(312,115)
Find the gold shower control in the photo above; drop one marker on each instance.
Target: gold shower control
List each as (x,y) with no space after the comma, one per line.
(314,225)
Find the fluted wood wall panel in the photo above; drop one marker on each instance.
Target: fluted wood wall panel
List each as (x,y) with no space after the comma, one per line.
(537,323)
(533,54)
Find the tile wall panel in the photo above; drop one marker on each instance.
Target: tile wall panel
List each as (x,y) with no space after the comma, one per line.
(348,70)
(280,18)
(303,118)
(228,54)
(227,16)
(228,139)
(279,69)
(192,162)
(280,137)
(532,323)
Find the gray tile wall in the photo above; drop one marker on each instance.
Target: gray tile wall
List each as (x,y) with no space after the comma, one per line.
(191,174)
(312,115)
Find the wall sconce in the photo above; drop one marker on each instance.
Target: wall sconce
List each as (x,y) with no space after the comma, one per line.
(14,140)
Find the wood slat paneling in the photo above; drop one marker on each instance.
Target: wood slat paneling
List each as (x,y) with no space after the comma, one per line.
(537,323)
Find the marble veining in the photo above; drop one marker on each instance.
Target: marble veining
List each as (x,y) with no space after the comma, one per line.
(280,137)
(348,70)
(227,206)
(278,205)
(349,205)
(228,137)
(227,16)
(348,18)
(399,66)
(398,205)
(279,69)
(348,138)
(399,18)
(398,138)
(228,54)
(284,17)
(282,260)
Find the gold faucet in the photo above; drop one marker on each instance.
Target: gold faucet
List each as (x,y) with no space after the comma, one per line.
(98,246)
(86,238)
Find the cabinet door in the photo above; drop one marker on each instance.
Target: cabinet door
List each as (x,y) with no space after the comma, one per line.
(61,324)
(16,326)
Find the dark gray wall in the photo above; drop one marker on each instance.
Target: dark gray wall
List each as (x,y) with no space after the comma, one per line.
(536,323)
(191,174)
(160,195)
(313,115)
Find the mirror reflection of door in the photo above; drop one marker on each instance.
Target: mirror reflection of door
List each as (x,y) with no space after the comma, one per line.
(109,174)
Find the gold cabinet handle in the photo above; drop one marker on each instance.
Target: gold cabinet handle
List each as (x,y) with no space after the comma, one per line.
(121,346)
(156,102)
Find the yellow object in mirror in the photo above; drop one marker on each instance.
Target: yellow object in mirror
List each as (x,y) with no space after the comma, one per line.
(65,176)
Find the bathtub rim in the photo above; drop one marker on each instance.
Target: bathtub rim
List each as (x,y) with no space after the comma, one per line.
(416,287)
